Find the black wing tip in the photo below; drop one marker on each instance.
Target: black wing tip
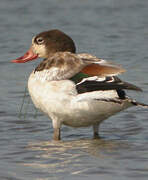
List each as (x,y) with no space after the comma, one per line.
(126,85)
(129,86)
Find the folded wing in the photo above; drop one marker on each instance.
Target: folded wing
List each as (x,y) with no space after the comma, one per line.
(109,83)
(100,67)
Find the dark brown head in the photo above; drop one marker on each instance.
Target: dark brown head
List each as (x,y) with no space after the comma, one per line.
(47,43)
(55,41)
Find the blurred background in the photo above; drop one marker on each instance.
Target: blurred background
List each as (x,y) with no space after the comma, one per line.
(110,29)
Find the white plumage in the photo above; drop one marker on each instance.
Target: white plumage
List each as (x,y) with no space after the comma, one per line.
(60,101)
(87,101)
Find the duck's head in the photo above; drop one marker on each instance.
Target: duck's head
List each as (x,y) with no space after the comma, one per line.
(47,43)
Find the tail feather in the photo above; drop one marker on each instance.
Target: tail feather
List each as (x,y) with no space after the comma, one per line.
(139,103)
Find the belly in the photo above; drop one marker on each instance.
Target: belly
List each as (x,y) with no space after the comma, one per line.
(66,110)
(88,113)
(79,115)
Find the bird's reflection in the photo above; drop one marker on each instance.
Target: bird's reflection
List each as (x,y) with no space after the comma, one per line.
(72,156)
(91,146)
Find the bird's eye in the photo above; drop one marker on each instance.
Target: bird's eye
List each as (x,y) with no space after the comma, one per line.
(40,40)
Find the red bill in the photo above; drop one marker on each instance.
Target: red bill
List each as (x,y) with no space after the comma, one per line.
(28,56)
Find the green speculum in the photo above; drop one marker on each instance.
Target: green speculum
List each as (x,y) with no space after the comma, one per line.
(79,76)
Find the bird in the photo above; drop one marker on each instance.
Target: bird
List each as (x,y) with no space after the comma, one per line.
(74,89)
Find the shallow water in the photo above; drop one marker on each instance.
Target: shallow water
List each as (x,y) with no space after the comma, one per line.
(111,29)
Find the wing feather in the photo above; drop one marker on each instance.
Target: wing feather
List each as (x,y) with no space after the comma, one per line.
(102,69)
(99,67)
(113,83)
